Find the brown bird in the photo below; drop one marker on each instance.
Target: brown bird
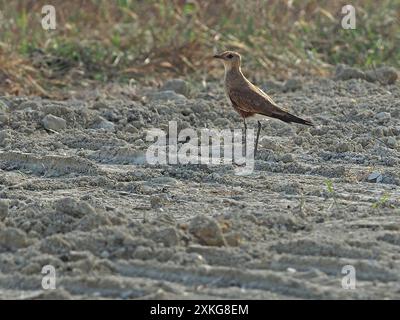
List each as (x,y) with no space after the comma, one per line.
(249,100)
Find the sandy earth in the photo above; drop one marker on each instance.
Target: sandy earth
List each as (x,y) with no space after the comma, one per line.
(79,197)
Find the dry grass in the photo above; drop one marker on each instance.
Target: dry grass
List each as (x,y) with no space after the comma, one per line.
(151,40)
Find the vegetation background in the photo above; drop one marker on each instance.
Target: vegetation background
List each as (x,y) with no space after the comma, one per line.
(148,41)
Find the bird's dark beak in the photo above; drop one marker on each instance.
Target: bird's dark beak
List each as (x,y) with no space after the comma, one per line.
(217,56)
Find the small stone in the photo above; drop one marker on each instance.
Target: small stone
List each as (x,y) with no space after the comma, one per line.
(272,85)
(74,208)
(383,117)
(104,124)
(56,294)
(377,132)
(143,253)
(292,85)
(384,75)
(391,142)
(79,255)
(5,136)
(222,122)
(131,129)
(126,294)
(99,105)
(3,107)
(178,86)
(269,144)
(13,239)
(33,105)
(168,236)
(163,181)
(346,73)
(375,177)
(233,239)
(157,202)
(343,147)
(167,95)
(4,204)
(55,244)
(193,258)
(3,118)
(298,140)
(138,124)
(92,221)
(207,231)
(286,158)
(51,122)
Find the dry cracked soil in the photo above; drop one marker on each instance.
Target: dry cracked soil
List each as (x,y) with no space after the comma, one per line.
(76,193)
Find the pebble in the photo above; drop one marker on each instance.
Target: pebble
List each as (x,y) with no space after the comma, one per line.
(143,253)
(375,177)
(51,122)
(105,254)
(13,238)
(167,95)
(384,75)
(286,158)
(3,118)
(99,105)
(292,85)
(273,86)
(168,236)
(5,136)
(391,142)
(131,129)
(4,204)
(157,202)
(233,239)
(104,124)
(74,208)
(3,107)
(383,117)
(344,72)
(298,140)
(207,231)
(342,147)
(33,105)
(163,181)
(178,86)
(221,122)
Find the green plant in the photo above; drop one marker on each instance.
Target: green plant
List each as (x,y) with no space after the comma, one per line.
(332,193)
(382,201)
(329,186)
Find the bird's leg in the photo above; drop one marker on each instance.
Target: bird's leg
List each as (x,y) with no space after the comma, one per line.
(245,135)
(258,135)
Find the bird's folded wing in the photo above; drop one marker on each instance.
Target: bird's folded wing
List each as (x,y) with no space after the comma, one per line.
(249,100)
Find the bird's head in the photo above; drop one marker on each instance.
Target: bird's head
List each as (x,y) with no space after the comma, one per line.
(231,59)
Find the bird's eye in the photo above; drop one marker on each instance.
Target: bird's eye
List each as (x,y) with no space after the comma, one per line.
(230,56)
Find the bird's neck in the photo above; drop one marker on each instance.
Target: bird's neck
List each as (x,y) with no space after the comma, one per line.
(233,73)
(232,70)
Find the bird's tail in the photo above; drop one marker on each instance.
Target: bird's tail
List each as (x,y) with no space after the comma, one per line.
(288,117)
